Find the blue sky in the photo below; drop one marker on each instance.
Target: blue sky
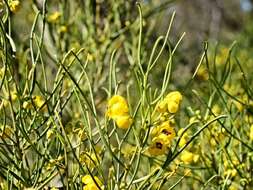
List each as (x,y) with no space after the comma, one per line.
(246,5)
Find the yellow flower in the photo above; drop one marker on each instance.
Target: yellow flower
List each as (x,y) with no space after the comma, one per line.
(222,56)
(87,179)
(117,106)
(218,133)
(6,131)
(202,73)
(91,186)
(184,139)
(63,29)
(27,105)
(50,133)
(233,187)
(180,132)
(174,96)
(233,89)
(118,110)
(193,119)
(14,5)
(187,172)
(230,172)
(81,134)
(54,17)
(251,133)
(162,106)
(90,57)
(90,183)
(14,95)
(248,119)
(124,122)
(188,157)
(39,102)
(159,145)
(127,23)
(213,141)
(170,103)
(173,107)
(216,109)
(239,106)
(164,128)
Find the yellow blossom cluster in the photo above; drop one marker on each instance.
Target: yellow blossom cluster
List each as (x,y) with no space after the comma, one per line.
(163,133)
(54,17)
(162,137)
(242,101)
(170,103)
(230,165)
(118,110)
(90,184)
(14,5)
(38,102)
(5,131)
(187,156)
(202,73)
(184,137)
(222,56)
(218,134)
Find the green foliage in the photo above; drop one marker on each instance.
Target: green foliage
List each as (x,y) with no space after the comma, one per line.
(61,61)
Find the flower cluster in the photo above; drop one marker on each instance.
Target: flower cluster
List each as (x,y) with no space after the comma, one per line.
(184,137)
(90,184)
(38,101)
(54,17)
(170,103)
(188,157)
(162,136)
(118,111)
(14,5)
(164,132)
(231,165)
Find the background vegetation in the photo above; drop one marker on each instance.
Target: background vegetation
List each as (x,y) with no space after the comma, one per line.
(182,75)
